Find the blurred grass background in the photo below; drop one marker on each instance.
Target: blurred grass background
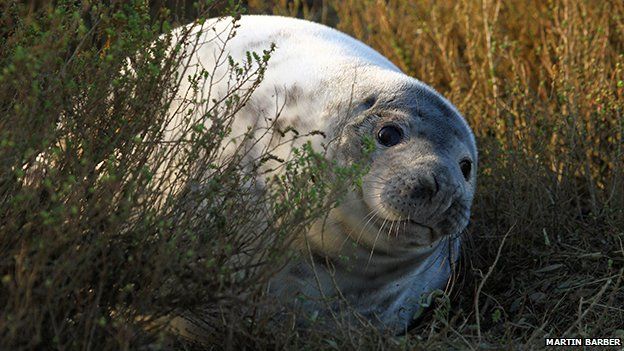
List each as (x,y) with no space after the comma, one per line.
(540,82)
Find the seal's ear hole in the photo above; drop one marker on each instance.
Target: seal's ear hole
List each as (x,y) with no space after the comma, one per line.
(466,166)
(390,135)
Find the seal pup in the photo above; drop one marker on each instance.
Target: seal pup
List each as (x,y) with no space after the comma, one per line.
(397,237)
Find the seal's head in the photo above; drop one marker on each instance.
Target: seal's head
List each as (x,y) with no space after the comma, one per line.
(422,174)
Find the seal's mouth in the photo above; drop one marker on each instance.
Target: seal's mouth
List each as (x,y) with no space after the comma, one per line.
(445,221)
(407,226)
(411,232)
(413,223)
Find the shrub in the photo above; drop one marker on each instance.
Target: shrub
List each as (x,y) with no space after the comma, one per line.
(110,221)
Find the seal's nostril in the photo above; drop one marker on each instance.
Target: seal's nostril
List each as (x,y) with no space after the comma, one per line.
(466,166)
(437,185)
(424,189)
(420,192)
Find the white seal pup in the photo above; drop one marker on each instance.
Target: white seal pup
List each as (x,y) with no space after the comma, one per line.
(396,238)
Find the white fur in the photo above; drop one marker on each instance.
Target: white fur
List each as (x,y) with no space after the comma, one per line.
(333,73)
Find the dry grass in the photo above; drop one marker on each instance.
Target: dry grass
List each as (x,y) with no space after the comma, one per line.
(541,84)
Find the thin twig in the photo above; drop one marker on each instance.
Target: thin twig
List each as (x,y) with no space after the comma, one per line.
(485,278)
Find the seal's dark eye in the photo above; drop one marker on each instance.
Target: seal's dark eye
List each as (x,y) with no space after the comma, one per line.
(466,166)
(389,135)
